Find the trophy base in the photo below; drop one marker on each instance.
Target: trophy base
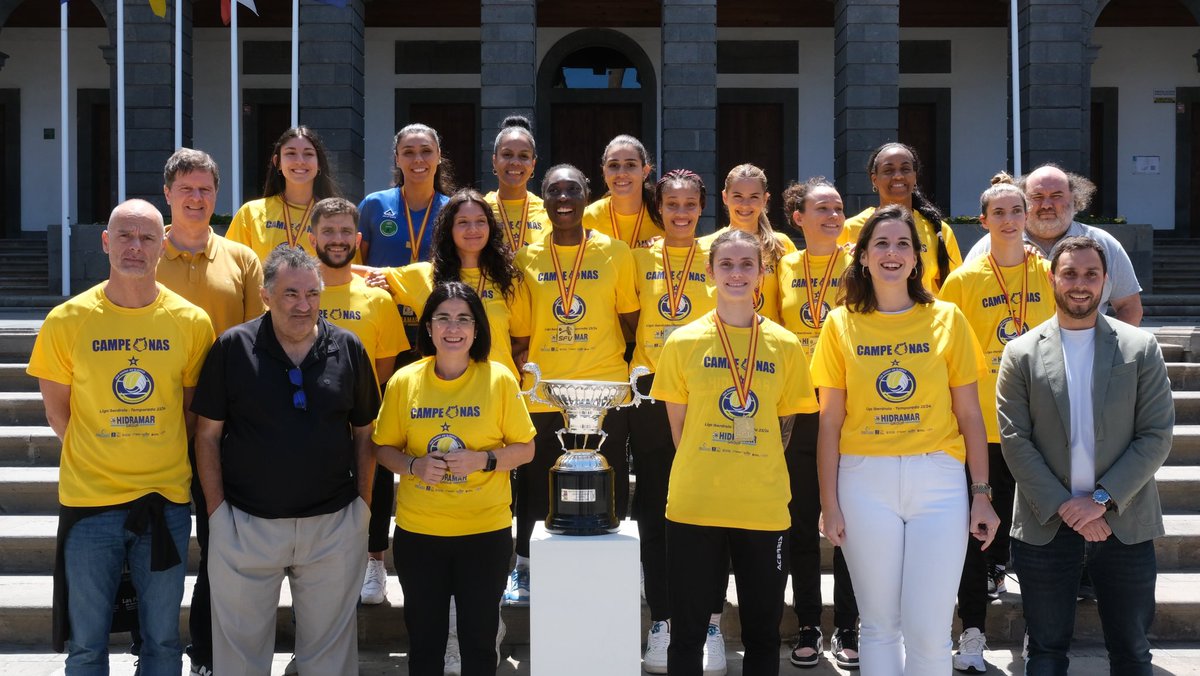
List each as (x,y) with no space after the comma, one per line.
(582,503)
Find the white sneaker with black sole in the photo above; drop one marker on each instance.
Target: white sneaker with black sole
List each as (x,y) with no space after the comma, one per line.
(658,639)
(969,656)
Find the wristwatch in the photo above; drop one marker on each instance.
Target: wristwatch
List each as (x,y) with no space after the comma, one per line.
(981,489)
(1102,498)
(491,462)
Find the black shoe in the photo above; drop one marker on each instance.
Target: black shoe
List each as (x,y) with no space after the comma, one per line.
(812,639)
(845,640)
(1086,592)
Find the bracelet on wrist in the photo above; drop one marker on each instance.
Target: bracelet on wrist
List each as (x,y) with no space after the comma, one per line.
(981,489)
(410,464)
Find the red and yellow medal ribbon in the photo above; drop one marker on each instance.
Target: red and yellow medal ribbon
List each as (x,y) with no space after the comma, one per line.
(566,291)
(637,228)
(1018,315)
(515,241)
(816,304)
(293,232)
(415,237)
(675,294)
(741,380)
(480,284)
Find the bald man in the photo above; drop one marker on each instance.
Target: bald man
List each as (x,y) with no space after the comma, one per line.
(116,366)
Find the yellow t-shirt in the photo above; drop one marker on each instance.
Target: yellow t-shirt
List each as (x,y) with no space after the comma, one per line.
(127,369)
(223,280)
(412,284)
(928,242)
(585,341)
(481,410)
(795,288)
(260,225)
(716,481)
(368,313)
(514,212)
(767,303)
(974,289)
(655,322)
(897,370)
(599,217)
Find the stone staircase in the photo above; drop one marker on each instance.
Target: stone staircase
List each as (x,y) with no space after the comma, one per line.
(24,267)
(29,454)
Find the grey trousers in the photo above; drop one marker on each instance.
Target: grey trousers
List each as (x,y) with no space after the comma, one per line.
(323,558)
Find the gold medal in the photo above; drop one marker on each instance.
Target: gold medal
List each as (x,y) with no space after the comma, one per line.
(743,429)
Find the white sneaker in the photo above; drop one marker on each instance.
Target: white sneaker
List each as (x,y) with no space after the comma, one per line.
(657,641)
(517,592)
(291,669)
(969,657)
(374,587)
(714,652)
(453,660)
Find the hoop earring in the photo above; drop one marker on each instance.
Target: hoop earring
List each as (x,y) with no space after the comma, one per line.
(874,189)
(913,274)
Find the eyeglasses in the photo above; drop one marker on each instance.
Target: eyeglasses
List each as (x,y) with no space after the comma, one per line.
(446,321)
(299,399)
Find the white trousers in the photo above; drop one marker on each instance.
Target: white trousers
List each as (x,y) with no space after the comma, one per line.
(323,557)
(906,538)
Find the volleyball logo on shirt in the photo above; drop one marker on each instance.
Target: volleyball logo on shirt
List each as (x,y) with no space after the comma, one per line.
(577,310)
(895,384)
(729,404)
(446,443)
(133,385)
(664,308)
(1009,329)
(806,314)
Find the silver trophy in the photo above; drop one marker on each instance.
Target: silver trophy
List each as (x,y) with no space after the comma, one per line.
(582,482)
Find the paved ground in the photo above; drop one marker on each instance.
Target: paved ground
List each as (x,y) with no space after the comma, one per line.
(1177,660)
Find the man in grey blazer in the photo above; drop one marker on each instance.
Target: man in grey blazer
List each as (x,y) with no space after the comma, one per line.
(1085,421)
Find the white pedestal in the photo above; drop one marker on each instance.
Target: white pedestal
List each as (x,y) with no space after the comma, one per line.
(585,607)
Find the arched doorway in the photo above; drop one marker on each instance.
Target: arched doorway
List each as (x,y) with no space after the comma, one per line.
(592,85)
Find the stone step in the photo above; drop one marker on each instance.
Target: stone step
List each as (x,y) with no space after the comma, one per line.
(1187,407)
(29,446)
(14,379)
(16,345)
(1185,446)
(1179,489)
(1184,376)
(21,408)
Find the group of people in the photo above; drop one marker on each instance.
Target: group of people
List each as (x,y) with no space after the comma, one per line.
(864,387)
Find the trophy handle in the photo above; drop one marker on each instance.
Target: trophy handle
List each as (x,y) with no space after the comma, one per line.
(562,442)
(636,397)
(531,367)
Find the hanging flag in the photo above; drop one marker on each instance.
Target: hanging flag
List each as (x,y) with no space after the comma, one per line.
(159,7)
(225,8)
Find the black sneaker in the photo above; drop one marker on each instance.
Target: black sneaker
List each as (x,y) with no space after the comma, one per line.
(845,640)
(810,639)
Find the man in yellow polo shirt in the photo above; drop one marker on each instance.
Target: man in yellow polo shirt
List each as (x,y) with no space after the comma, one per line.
(117,365)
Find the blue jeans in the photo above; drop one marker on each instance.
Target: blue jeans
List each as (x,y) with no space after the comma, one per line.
(1124,577)
(95,551)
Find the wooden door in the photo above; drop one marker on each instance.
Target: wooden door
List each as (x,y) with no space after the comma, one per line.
(99,178)
(918,128)
(1194,174)
(752,132)
(579,132)
(456,124)
(6,228)
(266,114)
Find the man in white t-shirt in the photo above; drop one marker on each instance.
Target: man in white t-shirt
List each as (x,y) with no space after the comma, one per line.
(1086,418)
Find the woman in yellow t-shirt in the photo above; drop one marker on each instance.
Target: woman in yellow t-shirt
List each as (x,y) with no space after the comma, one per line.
(673,288)
(809,282)
(468,247)
(452,426)
(521,214)
(745,198)
(1002,295)
(297,178)
(893,168)
(897,373)
(627,212)
(575,308)
(726,379)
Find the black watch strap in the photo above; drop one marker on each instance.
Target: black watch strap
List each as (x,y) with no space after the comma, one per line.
(491,462)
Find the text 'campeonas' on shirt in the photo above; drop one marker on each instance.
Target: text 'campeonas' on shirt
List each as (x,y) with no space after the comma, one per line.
(656,321)
(798,293)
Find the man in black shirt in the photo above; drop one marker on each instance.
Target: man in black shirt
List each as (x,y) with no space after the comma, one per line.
(283,448)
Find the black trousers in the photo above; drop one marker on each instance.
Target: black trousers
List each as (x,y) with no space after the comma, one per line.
(200,617)
(697,559)
(383,508)
(805,508)
(972,588)
(471,568)
(531,486)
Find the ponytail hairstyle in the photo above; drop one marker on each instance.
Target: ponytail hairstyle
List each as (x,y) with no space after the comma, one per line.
(796,193)
(730,236)
(857,288)
(495,260)
(681,178)
(324,184)
(515,125)
(923,206)
(771,247)
(1001,184)
(647,184)
(443,176)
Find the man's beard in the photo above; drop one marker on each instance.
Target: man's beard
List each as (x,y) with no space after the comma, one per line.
(1047,230)
(1064,303)
(330,263)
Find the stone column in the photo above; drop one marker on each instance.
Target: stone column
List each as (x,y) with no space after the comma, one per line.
(1055,83)
(866,91)
(331,86)
(689,93)
(508,70)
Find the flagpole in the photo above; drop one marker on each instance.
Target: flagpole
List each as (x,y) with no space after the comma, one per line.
(178,73)
(235,108)
(120,101)
(295,63)
(1015,34)
(64,153)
